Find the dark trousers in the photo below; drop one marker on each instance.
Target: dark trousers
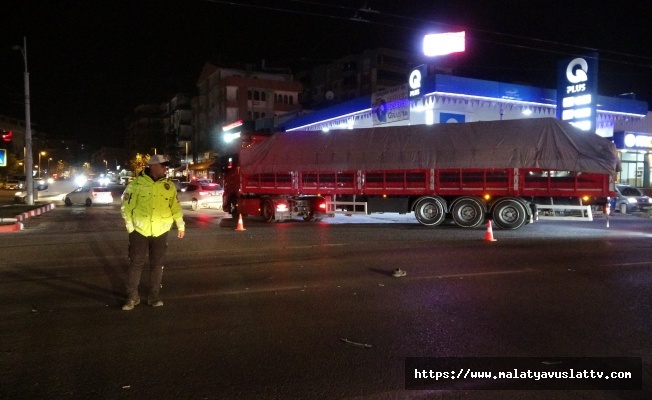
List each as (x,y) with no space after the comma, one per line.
(139,247)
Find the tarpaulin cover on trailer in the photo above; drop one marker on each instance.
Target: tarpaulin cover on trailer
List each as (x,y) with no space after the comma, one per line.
(545,143)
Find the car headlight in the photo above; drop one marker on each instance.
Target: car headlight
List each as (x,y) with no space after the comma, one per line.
(631,200)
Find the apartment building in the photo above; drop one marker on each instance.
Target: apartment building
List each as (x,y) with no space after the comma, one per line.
(355,75)
(227,95)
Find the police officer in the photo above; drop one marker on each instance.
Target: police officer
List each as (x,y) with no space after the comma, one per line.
(149,207)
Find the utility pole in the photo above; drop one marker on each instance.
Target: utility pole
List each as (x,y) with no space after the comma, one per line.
(29,161)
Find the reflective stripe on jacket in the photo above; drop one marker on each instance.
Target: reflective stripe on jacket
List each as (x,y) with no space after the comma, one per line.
(151,207)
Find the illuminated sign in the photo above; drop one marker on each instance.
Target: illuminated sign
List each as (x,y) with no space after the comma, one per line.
(415,79)
(577,82)
(3,158)
(390,105)
(625,140)
(438,44)
(632,140)
(232,125)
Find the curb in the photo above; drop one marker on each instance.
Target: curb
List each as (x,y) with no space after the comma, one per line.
(18,225)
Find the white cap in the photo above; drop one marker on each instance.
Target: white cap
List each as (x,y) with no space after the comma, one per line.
(158,159)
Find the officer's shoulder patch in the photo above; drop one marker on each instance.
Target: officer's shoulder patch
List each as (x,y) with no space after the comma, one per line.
(167,186)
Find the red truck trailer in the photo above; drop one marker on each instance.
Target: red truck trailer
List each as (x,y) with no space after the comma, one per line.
(470,172)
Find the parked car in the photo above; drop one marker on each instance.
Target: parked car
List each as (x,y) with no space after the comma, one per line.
(88,196)
(12,185)
(630,199)
(18,183)
(198,196)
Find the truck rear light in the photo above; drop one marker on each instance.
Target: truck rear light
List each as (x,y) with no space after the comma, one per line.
(322,206)
(281,207)
(586,198)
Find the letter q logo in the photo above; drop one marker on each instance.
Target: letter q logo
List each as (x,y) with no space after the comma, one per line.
(415,79)
(577,70)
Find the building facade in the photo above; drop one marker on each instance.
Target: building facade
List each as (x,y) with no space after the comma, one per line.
(229,95)
(354,75)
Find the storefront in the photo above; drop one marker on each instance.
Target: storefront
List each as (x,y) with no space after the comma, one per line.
(635,153)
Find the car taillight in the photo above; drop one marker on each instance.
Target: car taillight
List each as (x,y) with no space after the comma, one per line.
(202,193)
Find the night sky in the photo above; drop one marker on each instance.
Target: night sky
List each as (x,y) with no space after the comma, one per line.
(91,62)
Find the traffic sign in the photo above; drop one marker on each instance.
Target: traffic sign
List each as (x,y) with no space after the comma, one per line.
(3,158)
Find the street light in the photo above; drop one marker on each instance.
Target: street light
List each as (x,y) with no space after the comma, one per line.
(42,153)
(187,176)
(29,162)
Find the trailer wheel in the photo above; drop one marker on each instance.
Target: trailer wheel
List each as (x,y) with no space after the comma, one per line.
(429,211)
(468,212)
(509,214)
(268,210)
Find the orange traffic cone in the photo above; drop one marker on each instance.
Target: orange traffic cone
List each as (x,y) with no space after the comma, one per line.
(240,226)
(489,235)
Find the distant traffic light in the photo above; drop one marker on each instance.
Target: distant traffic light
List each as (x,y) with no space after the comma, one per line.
(7,136)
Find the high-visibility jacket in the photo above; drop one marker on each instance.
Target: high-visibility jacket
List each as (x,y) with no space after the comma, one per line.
(150,207)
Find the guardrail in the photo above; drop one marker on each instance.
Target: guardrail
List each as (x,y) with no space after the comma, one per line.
(359,208)
(565,213)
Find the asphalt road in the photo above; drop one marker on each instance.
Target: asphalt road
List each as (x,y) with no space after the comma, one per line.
(310,310)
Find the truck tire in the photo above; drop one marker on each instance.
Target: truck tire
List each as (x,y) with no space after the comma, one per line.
(429,211)
(268,210)
(509,214)
(468,212)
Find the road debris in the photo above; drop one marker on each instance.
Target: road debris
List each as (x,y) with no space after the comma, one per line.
(398,273)
(356,344)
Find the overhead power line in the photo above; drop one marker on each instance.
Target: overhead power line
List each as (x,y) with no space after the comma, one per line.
(366,14)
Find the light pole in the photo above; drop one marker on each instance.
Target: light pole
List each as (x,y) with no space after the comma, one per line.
(48,170)
(187,176)
(29,162)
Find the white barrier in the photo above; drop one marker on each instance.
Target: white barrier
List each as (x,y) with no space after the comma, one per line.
(564,213)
